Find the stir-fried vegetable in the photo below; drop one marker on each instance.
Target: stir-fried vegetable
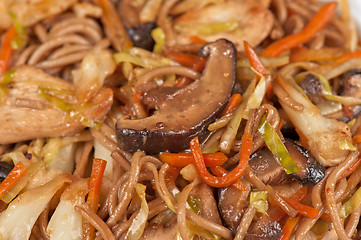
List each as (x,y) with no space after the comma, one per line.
(320,135)
(135,231)
(183,159)
(319,21)
(94,189)
(351,204)
(6,50)
(254,60)
(27,207)
(233,103)
(302,209)
(21,183)
(276,146)
(12,178)
(220,172)
(289,227)
(258,199)
(232,176)
(4,85)
(159,39)
(66,222)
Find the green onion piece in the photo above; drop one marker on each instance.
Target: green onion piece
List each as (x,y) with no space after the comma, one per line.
(45,93)
(159,38)
(19,40)
(347,145)
(258,199)
(327,92)
(194,203)
(7,80)
(276,146)
(14,191)
(351,204)
(136,230)
(50,149)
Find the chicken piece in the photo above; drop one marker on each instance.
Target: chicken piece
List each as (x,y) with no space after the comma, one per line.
(233,20)
(31,11)
(25,114)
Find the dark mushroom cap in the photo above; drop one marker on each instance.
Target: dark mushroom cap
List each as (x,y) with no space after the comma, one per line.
(189,112)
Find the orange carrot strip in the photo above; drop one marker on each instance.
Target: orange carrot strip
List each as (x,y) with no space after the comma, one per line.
(232,176)
(96,177)
(348,56)
(253,59)
(195,39)
(6,51)
(95,182)
(302,209)
(234,101)
(289,227)
(184,59)
(297,196)
(137,97)
(183,159)
(12,178)
(319,21)
(220,172)
(357,139)
(197,66)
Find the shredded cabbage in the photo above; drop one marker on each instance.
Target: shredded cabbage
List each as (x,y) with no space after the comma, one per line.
(258,199)
(135,231)
(159,38)
(276,146)
(349,206)
(19,218)
(66,222)
(205,29)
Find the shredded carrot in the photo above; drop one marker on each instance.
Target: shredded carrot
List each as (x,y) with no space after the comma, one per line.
(318,22)
(95,182)
(232,176)
(197,66)
(253,59)
(184,59)
(96,178)
(303,209)
(234,101)
(298,196)
(137,97)
(351,169)
(6,51)
(357,139)
(220,172)
(183,159)
(174,172)
(348,56)
(12,178)
(289,227)
(195,39)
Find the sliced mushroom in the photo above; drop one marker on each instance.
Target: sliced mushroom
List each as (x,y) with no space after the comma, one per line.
(5,168)
(264,227)
(311,171)
(267,169)
(265,166)
(240,20)
(19,123)
(311,85)
(189,111)
(208,205)
(141,35)
(231,202)
(160,232)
